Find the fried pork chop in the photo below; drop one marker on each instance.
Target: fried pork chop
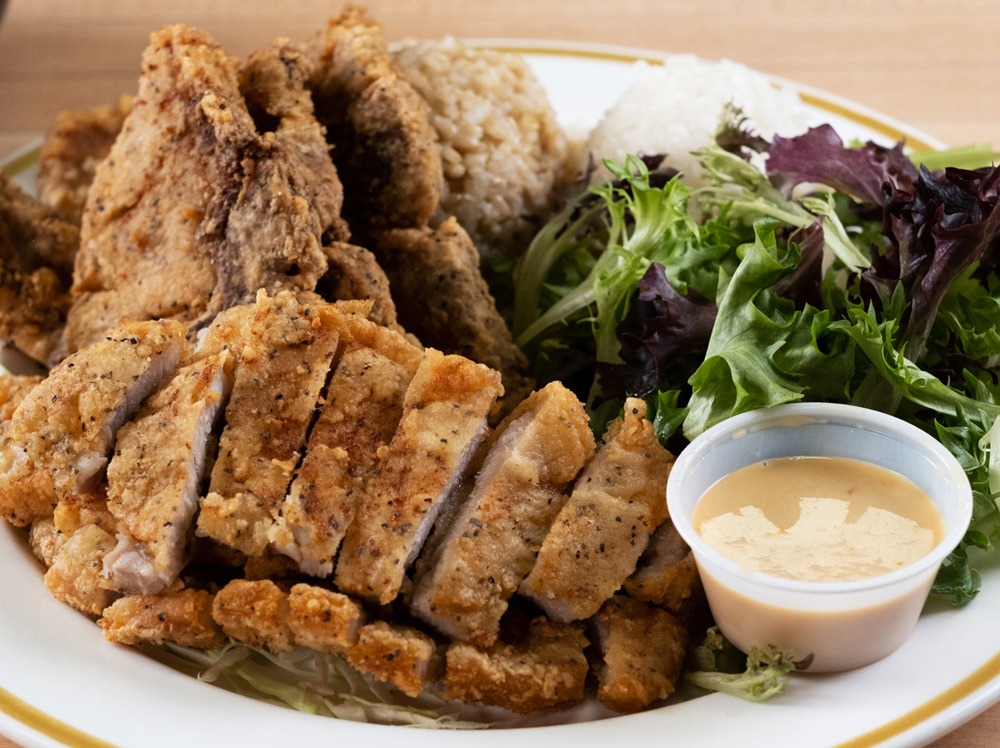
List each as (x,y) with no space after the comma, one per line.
(59,438)
(364,404)
(193,210)
(273,83)
(37,248)
(491,545)
(400,655)
(183,617)
(642,651)
(440,292)
(281,370)
(384,146)
(544,669)
(77,142)
(444,418)
(155,473)
(602,530)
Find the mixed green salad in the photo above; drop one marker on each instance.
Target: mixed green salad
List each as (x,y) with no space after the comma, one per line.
(806,269)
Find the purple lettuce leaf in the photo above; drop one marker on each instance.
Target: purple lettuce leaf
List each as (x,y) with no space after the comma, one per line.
(661,327)
(819,156)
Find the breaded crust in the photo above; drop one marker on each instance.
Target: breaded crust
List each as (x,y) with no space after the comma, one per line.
(385,148)
(444,419)
(183,617)
(155,473)
(254,613)
(75,574)
(364,404)
(546,670)
(193,195)
(400,655)
(280,373)
(667,575)
(37,249)
(59,437)
(491,545)
(600,533)
(441,294)
(273,83)
(642,653)
(77,142)
(322,619)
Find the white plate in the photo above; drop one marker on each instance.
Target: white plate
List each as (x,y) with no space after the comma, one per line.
(62,684)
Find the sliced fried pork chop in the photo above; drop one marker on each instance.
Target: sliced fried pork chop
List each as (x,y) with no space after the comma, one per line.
(547,668)
(602,530)
(364,404)
(642,653)
(60,436)
(384,145)
(440,292)
(400,655)
(77,142)
(322,619)
(491,545)
(193,210)
(444,418)
(183,617)
(280,373)
(667,575)
(155,473)
(37,247)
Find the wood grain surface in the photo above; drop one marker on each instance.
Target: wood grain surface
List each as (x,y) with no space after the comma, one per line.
(934,64)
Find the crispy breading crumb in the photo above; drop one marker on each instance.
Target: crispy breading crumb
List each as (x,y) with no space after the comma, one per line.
(183,617)
(75,574)
(643,652)
(399,655)
(323,619)
(45,540)
(255,613)
(548,669)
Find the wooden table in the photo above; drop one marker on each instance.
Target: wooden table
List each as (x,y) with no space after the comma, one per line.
(934,64)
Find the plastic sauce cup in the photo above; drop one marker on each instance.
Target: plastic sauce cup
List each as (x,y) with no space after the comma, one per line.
(841,625)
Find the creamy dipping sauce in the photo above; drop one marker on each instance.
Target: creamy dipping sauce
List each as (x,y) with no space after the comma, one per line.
(818,519)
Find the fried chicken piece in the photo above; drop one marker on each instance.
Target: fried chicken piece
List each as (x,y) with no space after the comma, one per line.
(75,574)
(190,195)
(642,649)
(280,373)
(667,575)
(60,436)
(254,613)
(384,145)
(400,655)
(273,83)
(154,476)
(354,273)
(183,617)
(37,248)
(546,670)
(492,543)
(444,418)
(364,404)
(77,142)
(322,619)
(440,292)
(602,530)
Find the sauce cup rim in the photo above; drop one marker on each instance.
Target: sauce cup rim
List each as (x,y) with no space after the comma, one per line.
(819,413)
